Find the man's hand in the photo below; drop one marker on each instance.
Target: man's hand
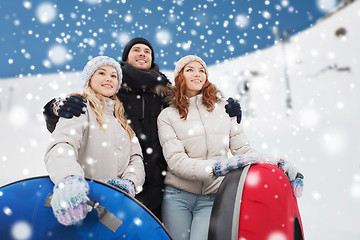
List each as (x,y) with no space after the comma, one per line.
(233,109)
(68,107)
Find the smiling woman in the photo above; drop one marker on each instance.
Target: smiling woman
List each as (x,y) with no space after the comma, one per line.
(196,134)
(86,146)
(194,77)
(105,81)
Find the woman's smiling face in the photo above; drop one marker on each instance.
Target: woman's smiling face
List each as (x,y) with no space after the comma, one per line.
(105,81)
(194,77)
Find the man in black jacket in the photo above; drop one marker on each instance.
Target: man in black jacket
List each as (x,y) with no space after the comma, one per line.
(142,93)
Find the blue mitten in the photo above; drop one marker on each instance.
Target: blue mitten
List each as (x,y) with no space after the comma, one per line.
(69,200)
(68,107)
(223,167)
(294,176)
(233,109)
(290,170)
(123,184)
(297,186)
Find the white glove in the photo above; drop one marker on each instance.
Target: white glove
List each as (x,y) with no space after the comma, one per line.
(69,200)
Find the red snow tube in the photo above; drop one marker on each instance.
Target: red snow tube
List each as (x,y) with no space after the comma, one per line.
(255,203)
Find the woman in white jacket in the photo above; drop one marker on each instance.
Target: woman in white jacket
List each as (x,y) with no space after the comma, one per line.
(196,135)
(86,146)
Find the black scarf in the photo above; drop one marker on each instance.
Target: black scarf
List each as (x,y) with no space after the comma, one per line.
(139,79)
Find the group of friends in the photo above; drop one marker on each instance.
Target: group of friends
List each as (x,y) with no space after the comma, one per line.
(166,145)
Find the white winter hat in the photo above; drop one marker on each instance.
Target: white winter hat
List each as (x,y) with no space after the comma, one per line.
(97,62)
(187,59)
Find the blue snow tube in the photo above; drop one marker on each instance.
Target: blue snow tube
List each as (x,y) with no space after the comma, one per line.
(23,214)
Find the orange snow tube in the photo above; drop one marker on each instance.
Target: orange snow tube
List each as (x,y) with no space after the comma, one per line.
(255,203)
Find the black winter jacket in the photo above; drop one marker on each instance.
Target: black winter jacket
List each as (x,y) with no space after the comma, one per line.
(142,94)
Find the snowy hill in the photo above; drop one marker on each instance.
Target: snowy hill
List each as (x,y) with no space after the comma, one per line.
(320,134)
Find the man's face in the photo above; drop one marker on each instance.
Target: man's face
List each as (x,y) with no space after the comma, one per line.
(140,56)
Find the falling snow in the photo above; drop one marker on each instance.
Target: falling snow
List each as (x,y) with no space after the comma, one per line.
(319,133)
(45,12)
(62,35)
(21,230)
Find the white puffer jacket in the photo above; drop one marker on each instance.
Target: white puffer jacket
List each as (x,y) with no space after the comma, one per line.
(81,147)
(191,147)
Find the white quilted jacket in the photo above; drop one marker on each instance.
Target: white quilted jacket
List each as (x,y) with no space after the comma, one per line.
(192,146)
(81,147)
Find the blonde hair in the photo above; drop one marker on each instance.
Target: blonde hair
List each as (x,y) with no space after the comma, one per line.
(95,101)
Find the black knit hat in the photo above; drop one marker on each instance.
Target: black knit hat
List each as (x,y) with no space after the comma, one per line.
(134,41)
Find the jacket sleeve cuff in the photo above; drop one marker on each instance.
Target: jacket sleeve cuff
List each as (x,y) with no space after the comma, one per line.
(50,118)
(205,170)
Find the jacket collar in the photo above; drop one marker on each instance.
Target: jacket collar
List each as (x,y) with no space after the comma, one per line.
(109,106)
(195,99)
(139,79)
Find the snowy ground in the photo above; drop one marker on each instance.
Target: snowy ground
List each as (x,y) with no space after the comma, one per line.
(321,133)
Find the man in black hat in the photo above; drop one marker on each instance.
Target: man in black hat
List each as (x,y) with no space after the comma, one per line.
(142,93)
(134,47)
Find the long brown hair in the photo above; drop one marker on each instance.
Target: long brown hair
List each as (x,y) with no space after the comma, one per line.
(209,94)
(95,101)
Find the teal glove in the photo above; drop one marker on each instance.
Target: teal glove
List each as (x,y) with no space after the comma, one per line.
(124,184)
(294,176)
(223,167)
(297,186)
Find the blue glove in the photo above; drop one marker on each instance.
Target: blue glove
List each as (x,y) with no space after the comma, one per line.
(233,109)
(297,186)
(294,176)
(123,184)
(223,167)
(290,170)
(69,107)
(69,200)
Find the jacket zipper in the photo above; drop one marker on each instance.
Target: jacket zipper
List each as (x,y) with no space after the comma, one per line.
(206,144)
(142,117)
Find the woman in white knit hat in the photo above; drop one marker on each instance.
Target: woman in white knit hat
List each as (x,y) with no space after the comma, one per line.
(196,135)
(86,146)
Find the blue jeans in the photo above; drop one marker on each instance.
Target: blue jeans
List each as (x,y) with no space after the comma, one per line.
(186,215)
